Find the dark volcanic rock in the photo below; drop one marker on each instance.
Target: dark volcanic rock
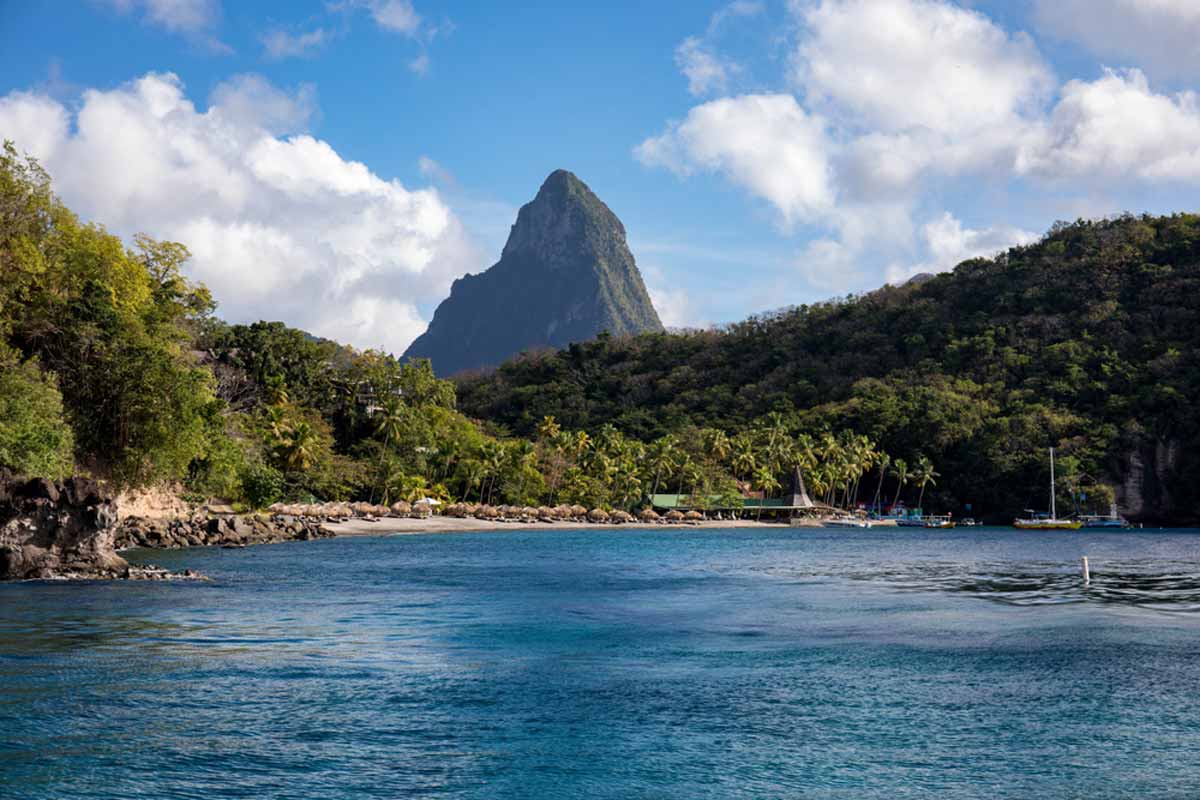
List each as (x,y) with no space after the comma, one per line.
(225,531)
(566,274)
(50,530)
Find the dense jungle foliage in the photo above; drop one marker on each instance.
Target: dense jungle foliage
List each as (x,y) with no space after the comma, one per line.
(114,364)
(1086,340)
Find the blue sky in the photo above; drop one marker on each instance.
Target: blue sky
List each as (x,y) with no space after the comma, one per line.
(337,164)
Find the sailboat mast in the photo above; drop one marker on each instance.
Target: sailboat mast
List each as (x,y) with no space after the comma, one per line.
(1053,511)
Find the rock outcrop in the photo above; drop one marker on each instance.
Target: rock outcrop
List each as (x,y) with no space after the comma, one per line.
(202,531)
(566,275)
(55,529)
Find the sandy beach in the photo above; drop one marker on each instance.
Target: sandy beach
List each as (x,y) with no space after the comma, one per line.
(391,526)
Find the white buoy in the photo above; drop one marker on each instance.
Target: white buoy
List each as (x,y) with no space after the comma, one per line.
(1087,577)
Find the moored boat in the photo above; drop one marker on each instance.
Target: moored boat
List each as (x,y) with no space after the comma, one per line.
(847,523)
(1047,522)
(1110,520)
(939,521)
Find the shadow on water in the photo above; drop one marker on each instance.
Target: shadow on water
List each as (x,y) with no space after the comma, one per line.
(1034,584)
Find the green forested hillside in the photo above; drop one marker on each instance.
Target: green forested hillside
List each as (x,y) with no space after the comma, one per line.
(113,364)
(1087,339)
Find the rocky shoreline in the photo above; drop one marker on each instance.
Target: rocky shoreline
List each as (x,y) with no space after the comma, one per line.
(212,531)
(71,530)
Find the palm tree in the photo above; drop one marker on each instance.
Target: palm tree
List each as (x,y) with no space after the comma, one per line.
(549,429)
(900,473)
(663,455)
(716,444)
(472,473)
(743,461)
(390,421)
(923,475)
(885,461)
(299,447)
(523,457)
(765,479)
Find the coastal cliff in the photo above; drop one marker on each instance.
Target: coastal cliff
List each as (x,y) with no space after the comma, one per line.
(54,529)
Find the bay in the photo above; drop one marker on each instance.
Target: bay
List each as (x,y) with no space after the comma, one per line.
(643,663)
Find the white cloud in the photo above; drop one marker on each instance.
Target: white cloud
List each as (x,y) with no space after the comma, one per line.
(251,101)
(40,122)
(767,144)
(947,244)
(904,101)
(281,226)
(1117,128)
(192,18)
(1160,36)
(671,301)
(829,264)
(915,64)
(279,44)
(705,70)
(419,65)
(397,16)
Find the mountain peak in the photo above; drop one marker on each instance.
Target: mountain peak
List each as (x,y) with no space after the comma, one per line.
(565,275)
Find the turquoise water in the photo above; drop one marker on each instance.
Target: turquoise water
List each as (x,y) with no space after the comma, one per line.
(660,663)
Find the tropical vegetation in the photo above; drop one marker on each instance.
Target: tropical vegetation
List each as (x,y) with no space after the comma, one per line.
(944,392)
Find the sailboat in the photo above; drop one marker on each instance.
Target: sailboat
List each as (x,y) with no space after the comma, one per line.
(1041,522)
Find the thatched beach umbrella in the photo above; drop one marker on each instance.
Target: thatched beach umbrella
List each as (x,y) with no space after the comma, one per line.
(674,516)
(545,513)
(482,512)
(622,517)
(649,515)
(693,516)
(578,511)
(400,508)
(598,515)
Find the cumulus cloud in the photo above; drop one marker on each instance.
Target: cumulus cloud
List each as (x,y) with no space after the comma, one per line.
(947,244)
(281,226)
(1117,128)
(1160,36)
(895,100)
(279,44)
(671,301)
(916,64)
(767,144)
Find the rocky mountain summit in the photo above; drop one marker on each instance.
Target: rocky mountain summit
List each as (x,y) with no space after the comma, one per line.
(566,274)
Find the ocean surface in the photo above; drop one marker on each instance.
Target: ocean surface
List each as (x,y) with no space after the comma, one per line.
(648,663)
